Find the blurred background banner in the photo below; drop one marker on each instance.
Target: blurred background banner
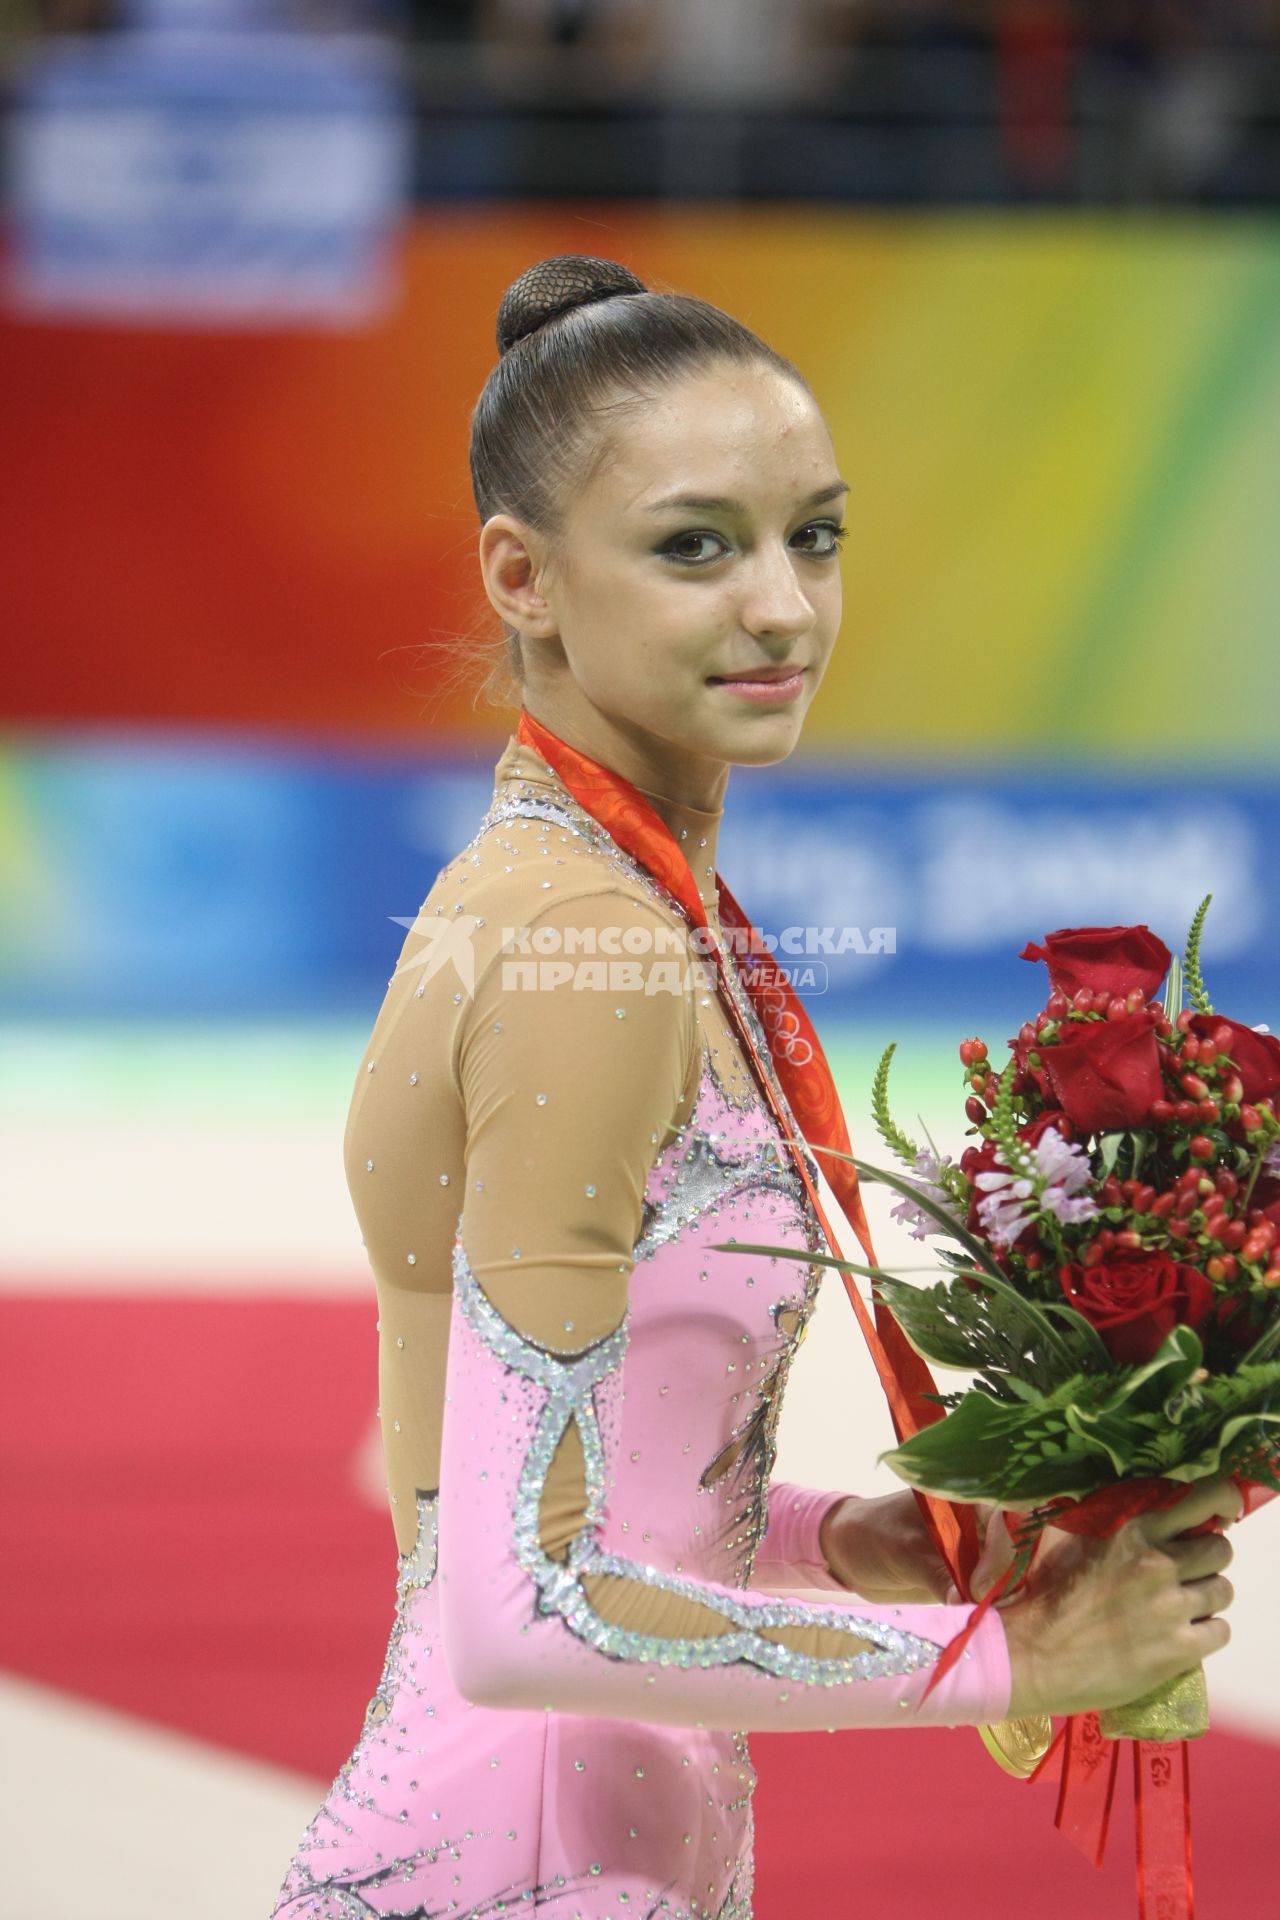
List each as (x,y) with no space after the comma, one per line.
(208,176)
(208,881)
(1027,252)
(1059,433)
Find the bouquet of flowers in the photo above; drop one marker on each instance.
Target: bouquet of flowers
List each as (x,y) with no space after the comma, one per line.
(1112,1280)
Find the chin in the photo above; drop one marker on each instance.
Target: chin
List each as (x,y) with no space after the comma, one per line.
(765,742)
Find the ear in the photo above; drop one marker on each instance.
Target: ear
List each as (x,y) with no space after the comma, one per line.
(512,558)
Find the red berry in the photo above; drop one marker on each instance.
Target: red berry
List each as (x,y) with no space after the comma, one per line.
(1092,1256)
(1184,1019)
(1250,1119)
(1162,1204)
(1233,1235)
(1129,1240)
(1225,1181)
(1034,1262)
(1100,1002)
(1190,1050)
(1187,1202)
(975,1110)
(1194,1086)
(1134,999)
(1161,1112)
(1179,1229)
(971,1051)
(1057,1004)
(1082,999)
(1221,1267)
(1185,1110)
(1117,1009)
(1222,1039)
(1142,1198)
(1233,1088)
(1189,1177)
(1208,1111)
(1111,1191)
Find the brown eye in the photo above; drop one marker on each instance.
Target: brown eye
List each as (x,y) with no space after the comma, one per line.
(831,528)
(678,549)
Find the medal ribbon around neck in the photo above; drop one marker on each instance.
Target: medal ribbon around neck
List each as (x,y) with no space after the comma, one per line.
(802,1070)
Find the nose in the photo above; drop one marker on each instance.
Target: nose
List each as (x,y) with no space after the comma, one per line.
(773,601)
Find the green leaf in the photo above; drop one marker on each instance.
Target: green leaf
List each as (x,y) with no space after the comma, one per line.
(1108,1147)
(1110,1433)
(988,1450)
(1173,990)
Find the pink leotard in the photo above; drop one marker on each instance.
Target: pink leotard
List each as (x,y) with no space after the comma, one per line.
(600,1592)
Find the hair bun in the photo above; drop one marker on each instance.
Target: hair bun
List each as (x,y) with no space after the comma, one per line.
(554,286)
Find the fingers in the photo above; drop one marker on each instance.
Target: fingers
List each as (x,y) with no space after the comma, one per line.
(1209,1636)
(1201,1554)
(1207,1500)
(1210,1596)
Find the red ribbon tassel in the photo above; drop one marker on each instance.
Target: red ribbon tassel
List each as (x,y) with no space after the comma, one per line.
(1162,1815)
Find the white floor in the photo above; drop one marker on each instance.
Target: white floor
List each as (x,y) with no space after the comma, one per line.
(130,1814)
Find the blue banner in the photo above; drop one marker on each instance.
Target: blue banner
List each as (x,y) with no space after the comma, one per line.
(147,874)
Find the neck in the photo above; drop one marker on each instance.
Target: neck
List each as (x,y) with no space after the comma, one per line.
(655,766)
(694,827)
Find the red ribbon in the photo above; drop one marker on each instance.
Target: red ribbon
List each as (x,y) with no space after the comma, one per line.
(806,1079)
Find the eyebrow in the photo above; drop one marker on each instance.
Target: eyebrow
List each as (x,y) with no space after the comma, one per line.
(719,503)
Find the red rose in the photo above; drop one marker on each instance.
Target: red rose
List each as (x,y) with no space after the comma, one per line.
(1135,1299)
(1256,1055)
(1112,960)
(1105,1073)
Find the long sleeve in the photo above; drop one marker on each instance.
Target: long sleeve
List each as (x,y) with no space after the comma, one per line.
(790,1554)
(570,1090)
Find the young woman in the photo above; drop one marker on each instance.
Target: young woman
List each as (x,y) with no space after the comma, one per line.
(563,1104)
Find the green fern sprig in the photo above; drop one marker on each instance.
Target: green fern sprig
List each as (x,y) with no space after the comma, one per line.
(1013,1150)
(886,1126)
(1191,964)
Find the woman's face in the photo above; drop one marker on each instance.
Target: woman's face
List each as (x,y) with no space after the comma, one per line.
(705,546)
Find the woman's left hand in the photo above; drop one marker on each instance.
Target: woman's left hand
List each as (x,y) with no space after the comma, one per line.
(880,1548)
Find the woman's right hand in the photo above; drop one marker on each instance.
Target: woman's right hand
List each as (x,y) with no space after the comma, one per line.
(1099,1623)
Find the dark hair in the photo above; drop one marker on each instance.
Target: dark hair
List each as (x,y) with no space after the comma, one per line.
(580,341)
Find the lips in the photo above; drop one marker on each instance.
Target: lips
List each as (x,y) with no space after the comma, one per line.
(760,673)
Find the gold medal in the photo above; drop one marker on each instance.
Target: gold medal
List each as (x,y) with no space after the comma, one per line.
(1019,1745)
